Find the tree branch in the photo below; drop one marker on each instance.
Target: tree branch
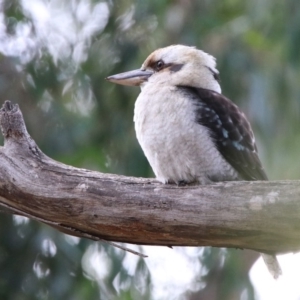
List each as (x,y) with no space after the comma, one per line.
(263,216)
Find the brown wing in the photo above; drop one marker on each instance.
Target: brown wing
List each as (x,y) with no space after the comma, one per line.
(230,130)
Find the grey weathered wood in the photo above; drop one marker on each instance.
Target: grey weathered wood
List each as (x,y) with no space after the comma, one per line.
(264,216)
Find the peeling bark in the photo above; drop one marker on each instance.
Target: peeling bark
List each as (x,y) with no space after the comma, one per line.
(262,216)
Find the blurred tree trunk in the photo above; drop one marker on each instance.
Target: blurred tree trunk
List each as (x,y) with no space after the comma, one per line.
(236,271)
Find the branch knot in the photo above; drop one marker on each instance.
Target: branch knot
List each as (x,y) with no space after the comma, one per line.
(12,122)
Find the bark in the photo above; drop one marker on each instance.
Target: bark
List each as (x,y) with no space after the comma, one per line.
(262,216)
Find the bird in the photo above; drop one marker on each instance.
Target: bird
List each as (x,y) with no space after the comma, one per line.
(188,130)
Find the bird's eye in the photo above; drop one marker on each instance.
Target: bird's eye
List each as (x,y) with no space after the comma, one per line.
(159,65)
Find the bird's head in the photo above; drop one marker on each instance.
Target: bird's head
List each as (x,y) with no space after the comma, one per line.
(174,65)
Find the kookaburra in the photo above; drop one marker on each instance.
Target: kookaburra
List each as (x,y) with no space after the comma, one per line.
(189,131)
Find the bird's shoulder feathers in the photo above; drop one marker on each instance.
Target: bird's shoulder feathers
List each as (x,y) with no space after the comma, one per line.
(229,129)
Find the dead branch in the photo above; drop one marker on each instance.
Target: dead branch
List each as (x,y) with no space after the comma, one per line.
(262,216)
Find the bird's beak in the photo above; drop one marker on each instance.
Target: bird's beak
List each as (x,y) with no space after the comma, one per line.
(135,77)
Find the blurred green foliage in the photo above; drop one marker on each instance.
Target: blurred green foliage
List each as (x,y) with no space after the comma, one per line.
(54,58)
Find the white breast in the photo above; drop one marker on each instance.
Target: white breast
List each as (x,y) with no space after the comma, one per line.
(177,148)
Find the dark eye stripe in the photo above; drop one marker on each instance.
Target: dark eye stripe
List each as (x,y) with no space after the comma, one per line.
(176,67)
(215,74)
(160,65)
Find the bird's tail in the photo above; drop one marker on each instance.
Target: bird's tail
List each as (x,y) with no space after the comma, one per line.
(272,265)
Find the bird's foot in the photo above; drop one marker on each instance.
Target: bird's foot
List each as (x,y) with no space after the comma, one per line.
(182,183)
(178,183)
